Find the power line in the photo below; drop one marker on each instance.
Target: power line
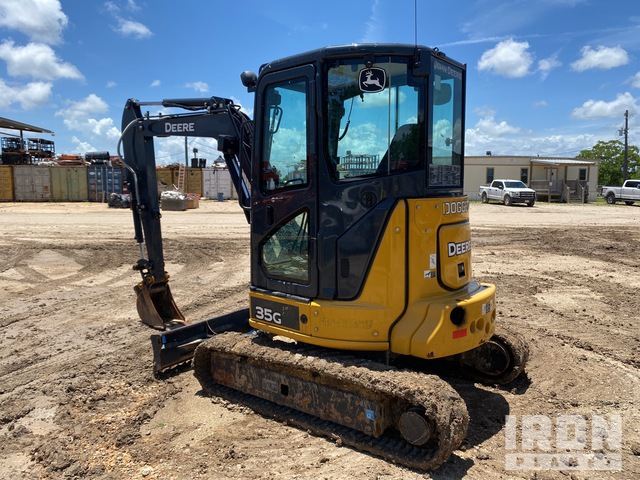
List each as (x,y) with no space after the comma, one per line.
(625,131)
(168,155)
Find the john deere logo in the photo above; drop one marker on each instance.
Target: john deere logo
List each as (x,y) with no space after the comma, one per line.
(372,80)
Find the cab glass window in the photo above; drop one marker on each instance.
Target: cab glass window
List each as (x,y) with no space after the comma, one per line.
(284,152)
(373,119)
(445,129)
(285,254)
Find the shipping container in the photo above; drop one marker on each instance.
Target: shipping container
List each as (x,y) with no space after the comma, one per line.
(6,183)
(215,182)
(164,176)
(168,178)
(31,183)
(102,181)
(193,181)
(69,184)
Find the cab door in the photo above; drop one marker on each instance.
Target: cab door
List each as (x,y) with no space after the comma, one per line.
(284,184)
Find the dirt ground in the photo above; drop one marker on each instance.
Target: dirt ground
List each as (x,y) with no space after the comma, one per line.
(78,398)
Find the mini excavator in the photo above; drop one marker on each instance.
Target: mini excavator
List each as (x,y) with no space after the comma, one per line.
(350,175)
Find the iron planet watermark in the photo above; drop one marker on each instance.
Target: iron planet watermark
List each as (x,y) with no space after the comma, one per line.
(563,442)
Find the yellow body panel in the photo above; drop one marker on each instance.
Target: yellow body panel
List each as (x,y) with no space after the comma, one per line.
(433,335)
(417,278)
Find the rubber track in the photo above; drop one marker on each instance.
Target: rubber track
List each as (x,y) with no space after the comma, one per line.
(441,403)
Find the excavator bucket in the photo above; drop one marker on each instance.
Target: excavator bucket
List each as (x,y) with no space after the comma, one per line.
(156,306)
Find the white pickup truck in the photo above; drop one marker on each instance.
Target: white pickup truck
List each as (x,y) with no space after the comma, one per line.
(508,192)
(628,193)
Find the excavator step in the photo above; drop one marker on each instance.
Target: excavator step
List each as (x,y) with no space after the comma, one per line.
(413,419)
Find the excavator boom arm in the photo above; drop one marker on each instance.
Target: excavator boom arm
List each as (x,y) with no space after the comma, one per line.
(212,117)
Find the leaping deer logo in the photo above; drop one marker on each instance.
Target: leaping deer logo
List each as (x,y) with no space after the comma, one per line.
(372,80)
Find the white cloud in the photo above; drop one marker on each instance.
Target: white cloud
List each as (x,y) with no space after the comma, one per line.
(602,109)
(82,109)
(477,143)
(488,126)
(34,94)
(200,87)
(6,95)
(603,58)
(36,60)
(132,5)
(155,83)
(111,84)
(365,138)
(111,7)
(484,111)
(547,64)
(508,58)
(374,24)
(41,20)
(82,146)
(129,28)
(488,134)
(29,96)
(103,128)
(126,27)
(382,99)
(80,116)
(635,80)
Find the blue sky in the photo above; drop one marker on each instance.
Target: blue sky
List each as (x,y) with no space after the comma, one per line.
(545,77)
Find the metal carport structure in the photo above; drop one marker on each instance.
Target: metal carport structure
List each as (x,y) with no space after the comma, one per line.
(19,149)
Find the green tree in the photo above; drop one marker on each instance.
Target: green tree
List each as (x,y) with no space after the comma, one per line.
(611,156)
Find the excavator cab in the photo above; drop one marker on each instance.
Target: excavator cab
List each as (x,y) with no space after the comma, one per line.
(360,236)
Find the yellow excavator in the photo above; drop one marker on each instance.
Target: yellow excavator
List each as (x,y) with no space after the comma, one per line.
(351,177)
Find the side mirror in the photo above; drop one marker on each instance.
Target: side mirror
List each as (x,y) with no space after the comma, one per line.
(249,80)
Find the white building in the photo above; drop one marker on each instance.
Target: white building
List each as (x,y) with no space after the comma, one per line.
(553,178)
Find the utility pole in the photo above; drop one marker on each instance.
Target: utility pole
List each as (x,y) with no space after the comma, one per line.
(186,153)
(625,131)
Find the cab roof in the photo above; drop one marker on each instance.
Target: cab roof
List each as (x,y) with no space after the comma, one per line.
(354,50)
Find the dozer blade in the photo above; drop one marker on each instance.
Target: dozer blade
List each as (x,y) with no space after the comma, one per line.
(175,347)
(156,306)
(410,418)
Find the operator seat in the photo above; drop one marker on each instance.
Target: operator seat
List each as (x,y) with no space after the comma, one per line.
(403,150)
